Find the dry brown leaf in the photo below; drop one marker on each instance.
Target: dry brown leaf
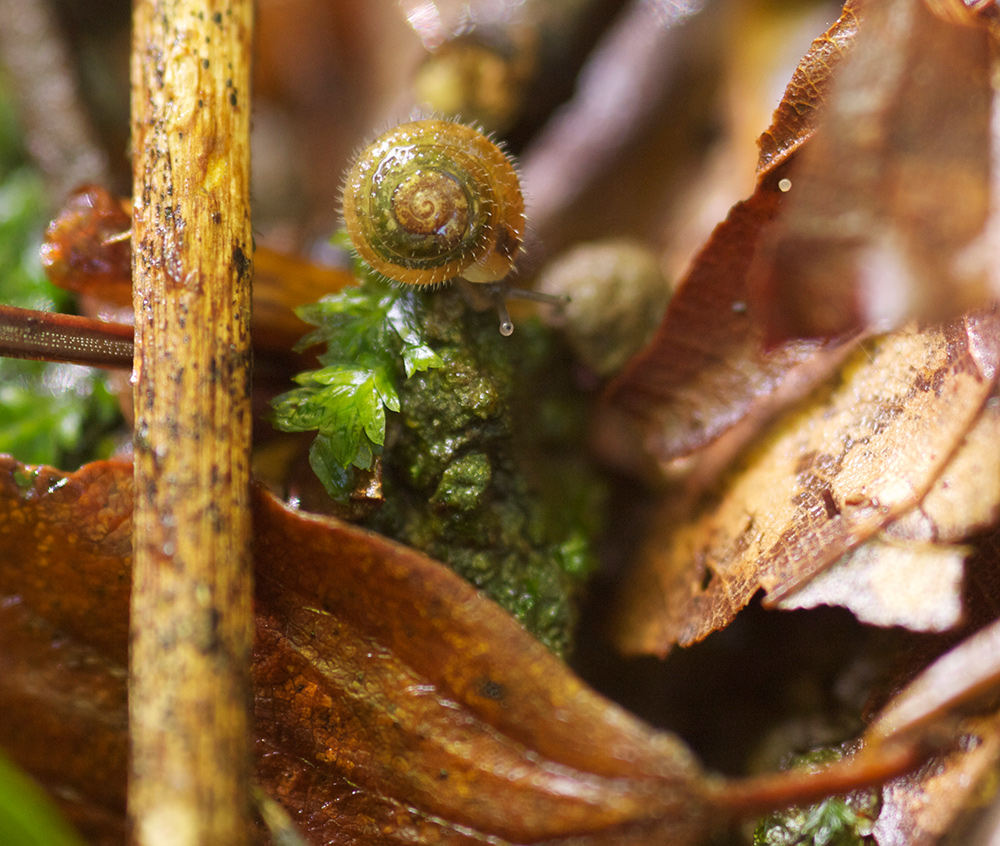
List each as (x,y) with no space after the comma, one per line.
(858,454)
(918,809)
(966,673)
(394,704)
(965,499)
(888,206)
(707,367)
(910,574)
(918,586)
(795,118)
(921,807)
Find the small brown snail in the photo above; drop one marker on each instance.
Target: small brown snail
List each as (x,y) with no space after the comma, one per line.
(431,201)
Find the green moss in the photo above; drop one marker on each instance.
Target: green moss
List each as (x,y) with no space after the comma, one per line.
(464,483)
(837,821)
(458,477)
(482,466)
(372,336)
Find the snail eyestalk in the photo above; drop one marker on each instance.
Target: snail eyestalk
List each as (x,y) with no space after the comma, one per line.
(500,293)
(506,324)
(537,296)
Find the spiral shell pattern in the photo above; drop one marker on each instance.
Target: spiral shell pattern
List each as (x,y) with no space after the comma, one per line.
(433,200)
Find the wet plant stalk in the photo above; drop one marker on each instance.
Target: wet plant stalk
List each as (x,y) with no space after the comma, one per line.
(189,694)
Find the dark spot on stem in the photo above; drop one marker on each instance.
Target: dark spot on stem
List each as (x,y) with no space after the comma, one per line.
(241,262)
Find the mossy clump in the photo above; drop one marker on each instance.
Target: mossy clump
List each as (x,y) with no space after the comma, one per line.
(457,469)
(478,439)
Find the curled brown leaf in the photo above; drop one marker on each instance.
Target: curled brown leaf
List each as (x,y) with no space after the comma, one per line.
(795,118)
(889,204)
(708,366)
(858,454)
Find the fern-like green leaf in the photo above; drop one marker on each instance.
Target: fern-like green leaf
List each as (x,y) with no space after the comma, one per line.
(373,336)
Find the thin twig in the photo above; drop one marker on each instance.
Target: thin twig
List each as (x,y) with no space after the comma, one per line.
(48,336)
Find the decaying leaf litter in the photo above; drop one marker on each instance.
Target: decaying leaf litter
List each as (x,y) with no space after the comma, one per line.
(940,386)
(404,727)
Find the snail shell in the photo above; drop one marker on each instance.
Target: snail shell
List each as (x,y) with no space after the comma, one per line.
(433,200)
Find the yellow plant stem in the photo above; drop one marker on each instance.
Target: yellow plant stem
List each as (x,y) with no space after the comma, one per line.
(189,696)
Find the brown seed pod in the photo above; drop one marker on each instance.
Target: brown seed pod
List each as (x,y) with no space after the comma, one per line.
(615,295)
(432,200)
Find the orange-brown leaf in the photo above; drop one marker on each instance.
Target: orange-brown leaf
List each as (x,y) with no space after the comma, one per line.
(432,696)
(84,250)
(707,365)
(65,546)
(394,704)
(795,118)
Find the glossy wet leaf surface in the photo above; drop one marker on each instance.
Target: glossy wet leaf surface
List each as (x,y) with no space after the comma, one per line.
(394,704)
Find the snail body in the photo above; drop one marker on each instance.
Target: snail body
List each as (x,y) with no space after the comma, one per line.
(432,200)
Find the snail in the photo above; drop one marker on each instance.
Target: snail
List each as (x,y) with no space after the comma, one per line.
(432,201)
